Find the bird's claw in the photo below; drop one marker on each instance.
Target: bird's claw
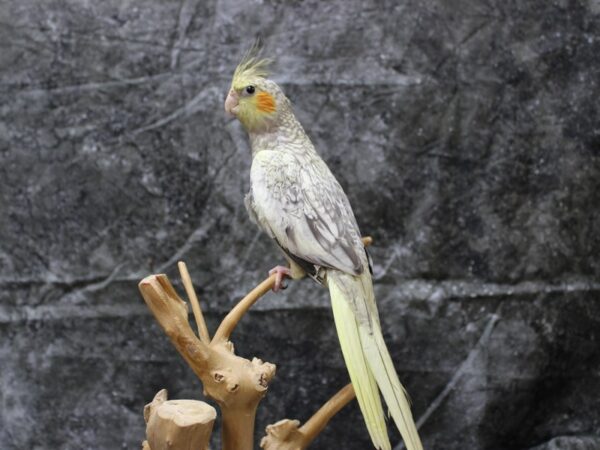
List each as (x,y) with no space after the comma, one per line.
(280,273)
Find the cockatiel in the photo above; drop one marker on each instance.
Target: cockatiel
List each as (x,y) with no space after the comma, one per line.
(297,201)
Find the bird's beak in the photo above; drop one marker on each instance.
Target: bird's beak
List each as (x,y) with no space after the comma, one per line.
(232,103)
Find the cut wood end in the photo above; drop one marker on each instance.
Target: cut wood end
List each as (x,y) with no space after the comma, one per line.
(367,240)
(185,413)
(283,428)
(283,435)
(161,297)
(265,372)
(180,425)
(150,279)
(160,397)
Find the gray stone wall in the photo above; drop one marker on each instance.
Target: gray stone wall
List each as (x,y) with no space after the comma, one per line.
(466,134)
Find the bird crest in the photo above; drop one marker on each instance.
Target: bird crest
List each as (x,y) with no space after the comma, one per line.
(251,67)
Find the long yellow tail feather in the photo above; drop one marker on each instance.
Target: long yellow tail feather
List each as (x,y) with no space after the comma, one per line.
(368,360)
(360,374)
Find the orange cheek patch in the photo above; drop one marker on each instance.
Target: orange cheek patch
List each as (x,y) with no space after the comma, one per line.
(265,102)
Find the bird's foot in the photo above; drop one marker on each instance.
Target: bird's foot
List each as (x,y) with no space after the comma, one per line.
(280,273)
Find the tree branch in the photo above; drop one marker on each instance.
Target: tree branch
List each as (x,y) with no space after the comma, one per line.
(321,418)
(231,320)
(172,315)
(191,293)
(289,435)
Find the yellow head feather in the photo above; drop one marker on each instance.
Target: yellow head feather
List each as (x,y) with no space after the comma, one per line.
(250,68)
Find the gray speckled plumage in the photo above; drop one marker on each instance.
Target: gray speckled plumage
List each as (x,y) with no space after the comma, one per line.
(295,198)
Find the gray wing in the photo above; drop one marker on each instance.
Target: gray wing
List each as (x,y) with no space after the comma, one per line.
(300,203)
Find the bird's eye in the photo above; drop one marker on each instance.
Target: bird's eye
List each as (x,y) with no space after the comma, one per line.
(250,89)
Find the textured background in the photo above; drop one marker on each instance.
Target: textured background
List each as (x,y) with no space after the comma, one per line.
(466,134)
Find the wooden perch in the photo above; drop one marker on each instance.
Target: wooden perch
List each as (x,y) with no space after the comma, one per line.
(191,293)
(289,435)
(235,383)
(178,424)
(231,320)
